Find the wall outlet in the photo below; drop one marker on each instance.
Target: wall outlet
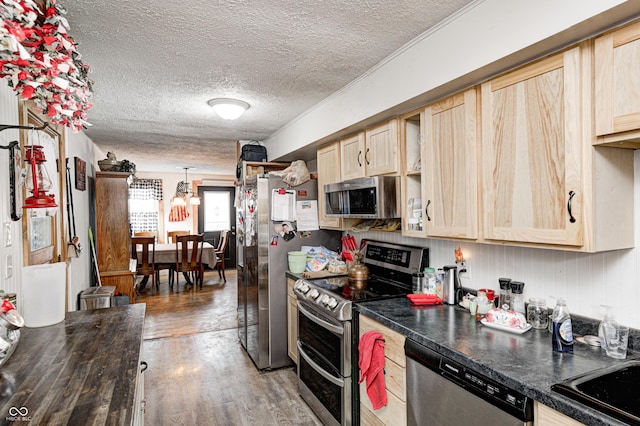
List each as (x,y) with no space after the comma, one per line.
(463,270)
(7,234)
(9,266)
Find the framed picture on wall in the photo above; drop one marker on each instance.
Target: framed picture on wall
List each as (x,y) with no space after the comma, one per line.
(15,169)
(81,174)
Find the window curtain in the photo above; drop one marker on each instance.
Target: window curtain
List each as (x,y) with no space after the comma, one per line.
(144,195)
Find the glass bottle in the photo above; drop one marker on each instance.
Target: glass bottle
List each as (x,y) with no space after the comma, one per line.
(416,282)
(517,300)
(482,302)
(429,281)
(504,299)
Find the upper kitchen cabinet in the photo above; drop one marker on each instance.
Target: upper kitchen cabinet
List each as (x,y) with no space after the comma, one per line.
(412,180)
(617,86)
(450,170)
(352,151)
(371,153)
(328,163)
(543,182)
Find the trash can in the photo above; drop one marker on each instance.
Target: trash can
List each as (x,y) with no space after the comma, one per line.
(97,297)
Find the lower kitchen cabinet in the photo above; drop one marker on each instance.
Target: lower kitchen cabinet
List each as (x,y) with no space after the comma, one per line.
(544,415)
(395,412)
(292,321)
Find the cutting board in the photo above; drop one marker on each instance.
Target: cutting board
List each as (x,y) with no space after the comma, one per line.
(319,274)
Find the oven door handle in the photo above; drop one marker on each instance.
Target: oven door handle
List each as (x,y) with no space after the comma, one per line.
(324,324)
(319,369)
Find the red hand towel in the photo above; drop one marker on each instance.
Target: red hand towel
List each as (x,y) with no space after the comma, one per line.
(371,363)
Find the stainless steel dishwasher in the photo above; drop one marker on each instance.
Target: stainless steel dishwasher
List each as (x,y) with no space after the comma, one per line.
(443,392)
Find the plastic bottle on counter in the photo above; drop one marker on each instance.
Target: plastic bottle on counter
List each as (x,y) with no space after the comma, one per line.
(429,281)
(562,332)
(482,302)
(607,321)
(439,283)
(517,299)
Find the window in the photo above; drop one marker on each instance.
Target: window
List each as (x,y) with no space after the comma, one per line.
(216,211)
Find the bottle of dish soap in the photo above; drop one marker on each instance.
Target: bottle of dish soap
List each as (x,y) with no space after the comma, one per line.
(561,334)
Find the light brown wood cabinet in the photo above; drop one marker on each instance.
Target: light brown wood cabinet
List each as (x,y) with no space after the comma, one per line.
(370,153)
(328,164)
(292,321)
(412,142)
(395,412)
(617,86)
(113,238)
(543,182)
(450,176)
(544,415)
(352,156)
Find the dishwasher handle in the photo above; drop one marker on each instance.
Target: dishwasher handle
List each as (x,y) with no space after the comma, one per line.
(435,362)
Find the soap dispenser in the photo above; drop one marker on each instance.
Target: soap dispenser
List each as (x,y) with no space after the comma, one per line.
(607,321)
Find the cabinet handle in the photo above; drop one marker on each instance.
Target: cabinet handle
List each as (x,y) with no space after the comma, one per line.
(426,210)
(366,156)
(359,155)
(571,218)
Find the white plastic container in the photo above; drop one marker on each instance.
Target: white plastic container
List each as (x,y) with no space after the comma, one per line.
(43,300)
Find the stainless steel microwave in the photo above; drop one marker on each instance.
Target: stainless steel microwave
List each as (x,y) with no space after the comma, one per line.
(366,198)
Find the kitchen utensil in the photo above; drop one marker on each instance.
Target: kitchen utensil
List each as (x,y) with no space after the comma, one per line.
(451,286)
(358,276)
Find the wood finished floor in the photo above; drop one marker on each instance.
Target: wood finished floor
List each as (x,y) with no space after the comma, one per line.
(199,374)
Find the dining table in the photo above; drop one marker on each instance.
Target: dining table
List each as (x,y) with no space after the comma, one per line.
(165,256)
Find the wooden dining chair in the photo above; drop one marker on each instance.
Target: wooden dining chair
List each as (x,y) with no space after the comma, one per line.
(220,253)
(145,234)
(171,235)
(145,261)
(189,258)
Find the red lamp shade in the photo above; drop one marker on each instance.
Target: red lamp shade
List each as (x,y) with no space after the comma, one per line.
(38,181)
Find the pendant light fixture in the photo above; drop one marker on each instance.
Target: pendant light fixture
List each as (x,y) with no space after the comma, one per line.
(227,108)
(184,193)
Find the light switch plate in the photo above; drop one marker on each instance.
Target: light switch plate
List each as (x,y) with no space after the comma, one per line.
(7,234)
(9,266)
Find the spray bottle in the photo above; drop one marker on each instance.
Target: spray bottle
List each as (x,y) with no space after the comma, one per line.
(561,332)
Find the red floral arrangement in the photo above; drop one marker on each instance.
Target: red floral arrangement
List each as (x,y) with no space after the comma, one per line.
(42,61)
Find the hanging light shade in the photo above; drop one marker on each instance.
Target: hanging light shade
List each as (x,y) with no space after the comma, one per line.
(183,192)
(227,108)
(38,181)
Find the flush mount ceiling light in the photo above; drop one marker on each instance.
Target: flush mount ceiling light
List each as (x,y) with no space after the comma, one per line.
(227,108)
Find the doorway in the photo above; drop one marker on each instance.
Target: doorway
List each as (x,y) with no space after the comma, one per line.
(216,212)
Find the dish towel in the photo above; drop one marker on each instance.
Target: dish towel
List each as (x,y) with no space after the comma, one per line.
(371,363)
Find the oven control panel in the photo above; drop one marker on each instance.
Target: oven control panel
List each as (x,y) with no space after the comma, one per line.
(322,300)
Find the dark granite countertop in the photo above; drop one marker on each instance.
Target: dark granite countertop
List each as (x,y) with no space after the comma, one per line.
(524,362)
(79,371)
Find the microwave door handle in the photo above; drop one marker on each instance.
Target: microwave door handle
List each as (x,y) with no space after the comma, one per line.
(341,202)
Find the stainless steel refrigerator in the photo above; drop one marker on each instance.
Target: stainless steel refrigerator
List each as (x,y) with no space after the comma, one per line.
(264,239)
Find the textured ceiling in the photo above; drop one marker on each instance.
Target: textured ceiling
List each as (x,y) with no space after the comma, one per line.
(155,65)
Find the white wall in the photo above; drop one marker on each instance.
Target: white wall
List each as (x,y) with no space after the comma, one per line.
(9,115)
(79,269)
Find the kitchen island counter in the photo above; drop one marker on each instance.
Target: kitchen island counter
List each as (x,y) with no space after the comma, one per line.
(524,362)
(82,370)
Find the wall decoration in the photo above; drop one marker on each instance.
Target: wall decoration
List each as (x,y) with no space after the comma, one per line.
(15,190)
(81,174)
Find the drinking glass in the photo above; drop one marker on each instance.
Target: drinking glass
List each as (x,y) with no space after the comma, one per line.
(616,339)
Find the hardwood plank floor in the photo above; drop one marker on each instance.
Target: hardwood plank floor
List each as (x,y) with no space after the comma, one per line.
(199,374)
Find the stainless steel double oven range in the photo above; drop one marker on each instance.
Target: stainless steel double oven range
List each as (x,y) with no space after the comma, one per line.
(327,332)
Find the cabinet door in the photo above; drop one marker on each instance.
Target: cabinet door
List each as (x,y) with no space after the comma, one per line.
(617,80)
(352,155)
(412,142)
(381,153)
(531,152)
(328,163)
(451,181)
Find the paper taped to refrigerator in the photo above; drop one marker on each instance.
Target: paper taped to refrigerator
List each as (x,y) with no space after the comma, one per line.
(283,204)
